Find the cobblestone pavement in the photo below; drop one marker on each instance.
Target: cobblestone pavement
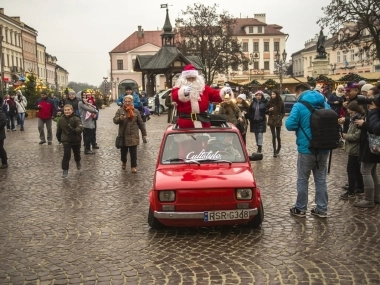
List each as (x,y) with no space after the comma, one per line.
(91,228)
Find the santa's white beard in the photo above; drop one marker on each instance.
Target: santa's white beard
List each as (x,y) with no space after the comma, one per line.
(197,86)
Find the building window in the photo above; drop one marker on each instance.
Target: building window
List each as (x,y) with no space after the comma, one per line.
(119,64)
(266,46)
(266,65)
(338,56)
(250,30)
(245,47)
(352,55)
(259,30)
(310,59)
(344,58)
(276,46)
(256,65)
(255,46)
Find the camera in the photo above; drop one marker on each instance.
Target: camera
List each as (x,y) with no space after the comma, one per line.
(364,100)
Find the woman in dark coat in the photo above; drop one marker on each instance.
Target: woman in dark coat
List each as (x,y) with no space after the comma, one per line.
(69,133)
(276,112)
(257,118)
(336,99)
(3,123)
(368,160)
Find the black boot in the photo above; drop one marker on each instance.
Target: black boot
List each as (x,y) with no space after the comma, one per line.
(65,173)
(89,151)
(259,149)
(79,166)
(278,149)
(274,147)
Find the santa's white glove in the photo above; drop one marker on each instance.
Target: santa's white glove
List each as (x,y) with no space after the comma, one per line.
(187,90)
(227,90)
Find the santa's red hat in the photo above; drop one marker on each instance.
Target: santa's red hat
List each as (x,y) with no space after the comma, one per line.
(189,71)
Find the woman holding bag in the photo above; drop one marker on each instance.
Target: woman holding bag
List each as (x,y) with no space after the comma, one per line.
(129,120)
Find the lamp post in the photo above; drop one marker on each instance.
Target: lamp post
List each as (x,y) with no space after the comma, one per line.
(105,82)
(281,66)
(253,58)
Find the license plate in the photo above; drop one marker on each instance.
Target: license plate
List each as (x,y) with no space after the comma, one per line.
(226,215)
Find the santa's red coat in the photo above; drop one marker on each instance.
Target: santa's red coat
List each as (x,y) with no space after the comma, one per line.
(184,105)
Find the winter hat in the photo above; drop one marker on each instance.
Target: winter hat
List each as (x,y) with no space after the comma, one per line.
(318,88)
(189,71)
(351,85)
(129,97)
(242,96)
(260,92)
(366,87)
(362,82)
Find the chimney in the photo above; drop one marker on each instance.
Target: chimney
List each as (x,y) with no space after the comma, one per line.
(140,32)
(2,11)
(16,19)
(260,17)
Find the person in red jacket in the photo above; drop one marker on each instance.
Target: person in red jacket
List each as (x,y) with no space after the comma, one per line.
(193,96)
(45,107)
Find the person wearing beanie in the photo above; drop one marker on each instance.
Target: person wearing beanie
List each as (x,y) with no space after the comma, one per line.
(276,112)
(257,118)
(336,99)
(352,138)
(243,105)
(3,123)
(361,83)
(365,88)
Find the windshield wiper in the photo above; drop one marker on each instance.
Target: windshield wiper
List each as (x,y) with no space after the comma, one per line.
(215,160)
(181,159)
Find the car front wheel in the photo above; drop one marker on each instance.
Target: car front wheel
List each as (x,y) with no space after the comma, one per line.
(153,222)
(162,109)
(258,219)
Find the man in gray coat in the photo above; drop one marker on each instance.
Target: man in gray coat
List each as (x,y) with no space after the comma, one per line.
(87,114)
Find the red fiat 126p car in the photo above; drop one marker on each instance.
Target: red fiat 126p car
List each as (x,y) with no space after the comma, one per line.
(204,177)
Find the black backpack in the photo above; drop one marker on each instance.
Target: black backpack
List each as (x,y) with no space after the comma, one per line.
(325,129)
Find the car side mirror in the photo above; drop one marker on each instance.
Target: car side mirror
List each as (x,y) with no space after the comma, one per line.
(256,156)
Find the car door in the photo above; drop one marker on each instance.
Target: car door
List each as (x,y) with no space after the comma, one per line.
(289,101)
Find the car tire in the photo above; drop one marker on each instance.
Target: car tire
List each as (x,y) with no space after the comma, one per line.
(258,219)
(162,109)
(153,222)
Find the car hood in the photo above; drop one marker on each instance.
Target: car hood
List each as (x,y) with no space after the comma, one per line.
(203,176)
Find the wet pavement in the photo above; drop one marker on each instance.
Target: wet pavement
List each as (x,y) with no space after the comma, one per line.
(91,228)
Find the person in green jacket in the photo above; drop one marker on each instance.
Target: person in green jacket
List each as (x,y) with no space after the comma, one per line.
(69,130)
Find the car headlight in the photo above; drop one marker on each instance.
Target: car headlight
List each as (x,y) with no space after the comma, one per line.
(244,194)
(167,196)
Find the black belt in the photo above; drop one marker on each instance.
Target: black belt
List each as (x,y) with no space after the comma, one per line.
(202,117)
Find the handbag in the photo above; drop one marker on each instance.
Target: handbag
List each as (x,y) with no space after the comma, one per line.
(374,143)
(119,141)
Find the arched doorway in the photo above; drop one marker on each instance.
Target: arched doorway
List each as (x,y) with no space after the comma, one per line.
(126,82)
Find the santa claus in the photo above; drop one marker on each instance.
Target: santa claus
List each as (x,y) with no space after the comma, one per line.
(193,96)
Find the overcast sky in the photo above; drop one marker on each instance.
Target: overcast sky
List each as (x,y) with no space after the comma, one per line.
(81,33)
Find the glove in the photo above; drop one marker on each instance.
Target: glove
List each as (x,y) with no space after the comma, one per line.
(187,90)
(227,90)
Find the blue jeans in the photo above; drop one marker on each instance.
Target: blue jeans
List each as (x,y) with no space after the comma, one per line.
(305,165)
(21,117)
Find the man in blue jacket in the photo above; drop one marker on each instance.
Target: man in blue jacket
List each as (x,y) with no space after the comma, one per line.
(306,162)
(136,98)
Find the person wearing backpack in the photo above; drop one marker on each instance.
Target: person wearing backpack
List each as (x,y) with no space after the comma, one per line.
(307,162)
(69,133)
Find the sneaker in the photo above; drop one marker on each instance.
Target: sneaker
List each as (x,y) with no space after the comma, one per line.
(145,141)
(13,130)
(123,165)
(133,170)
(347,195)
(295,212)
(359,192)
(316,212)
(364,204)
(21,129)
(95,147)
(8,130)
(89,152)
(65,173)
(41,142)
(3,166)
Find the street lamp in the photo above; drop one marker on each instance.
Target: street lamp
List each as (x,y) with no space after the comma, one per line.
(105,82)
(2,60)
(282,67)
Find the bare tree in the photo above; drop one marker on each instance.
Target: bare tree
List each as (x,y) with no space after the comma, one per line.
(362,20)
(209,35)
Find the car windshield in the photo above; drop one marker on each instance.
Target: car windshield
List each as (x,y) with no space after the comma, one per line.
(202,147)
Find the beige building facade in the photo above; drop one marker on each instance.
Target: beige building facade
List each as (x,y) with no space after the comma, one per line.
(41,65)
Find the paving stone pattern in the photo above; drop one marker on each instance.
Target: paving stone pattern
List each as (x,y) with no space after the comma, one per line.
(91,228)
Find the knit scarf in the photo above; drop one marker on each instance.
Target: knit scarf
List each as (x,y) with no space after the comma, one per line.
(130,112)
